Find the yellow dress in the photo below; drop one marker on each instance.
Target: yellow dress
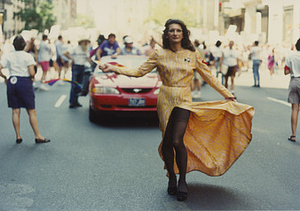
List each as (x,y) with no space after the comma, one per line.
(217,132)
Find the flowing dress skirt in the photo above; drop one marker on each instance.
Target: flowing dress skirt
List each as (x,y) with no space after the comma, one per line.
(217,133)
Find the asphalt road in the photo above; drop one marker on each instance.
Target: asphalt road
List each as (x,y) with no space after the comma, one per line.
(116,166)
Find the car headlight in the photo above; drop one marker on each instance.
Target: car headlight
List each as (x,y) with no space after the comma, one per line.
(156,91)
(105,90)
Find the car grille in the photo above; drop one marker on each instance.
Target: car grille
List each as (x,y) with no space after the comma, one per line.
(136,90)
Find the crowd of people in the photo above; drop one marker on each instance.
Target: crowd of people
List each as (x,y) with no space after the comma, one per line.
(225,59)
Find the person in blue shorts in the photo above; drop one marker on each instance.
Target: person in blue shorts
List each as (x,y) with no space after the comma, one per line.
(20,92)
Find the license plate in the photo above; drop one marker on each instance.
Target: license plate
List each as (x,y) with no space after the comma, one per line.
(137,101)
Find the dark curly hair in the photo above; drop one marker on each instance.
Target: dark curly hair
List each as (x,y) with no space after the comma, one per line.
(185,42)
(19,43)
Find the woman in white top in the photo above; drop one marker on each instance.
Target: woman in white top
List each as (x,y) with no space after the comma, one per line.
(20,92)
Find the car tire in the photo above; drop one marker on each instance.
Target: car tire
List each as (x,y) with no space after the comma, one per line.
(93,115)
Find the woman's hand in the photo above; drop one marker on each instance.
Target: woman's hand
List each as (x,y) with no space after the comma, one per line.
(232,99)
(106,68)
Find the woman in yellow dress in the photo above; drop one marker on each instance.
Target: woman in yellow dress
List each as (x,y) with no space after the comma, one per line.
(203,136)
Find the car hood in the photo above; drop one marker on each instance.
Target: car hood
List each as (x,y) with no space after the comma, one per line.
(114,80)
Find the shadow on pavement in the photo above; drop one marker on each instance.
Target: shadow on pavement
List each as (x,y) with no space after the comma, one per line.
(211,197)
(128,120)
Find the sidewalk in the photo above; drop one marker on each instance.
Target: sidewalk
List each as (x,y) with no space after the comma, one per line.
(279,80)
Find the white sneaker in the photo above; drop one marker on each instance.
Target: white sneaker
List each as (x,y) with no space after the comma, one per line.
(43,87)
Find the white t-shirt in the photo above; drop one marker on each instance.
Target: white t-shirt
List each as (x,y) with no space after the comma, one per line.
(216,51)
(44,52)
(293,62)
(230,57)
(17,63)
(79,56)
(255,53)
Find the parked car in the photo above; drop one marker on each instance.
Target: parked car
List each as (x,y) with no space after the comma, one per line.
(112,93)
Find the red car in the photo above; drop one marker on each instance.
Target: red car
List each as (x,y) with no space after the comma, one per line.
(112,93)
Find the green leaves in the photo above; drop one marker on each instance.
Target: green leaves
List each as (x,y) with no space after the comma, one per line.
(37,15)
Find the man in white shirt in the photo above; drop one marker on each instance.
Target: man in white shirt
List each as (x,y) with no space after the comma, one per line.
(229,60)
(79,56)
(292,67)
(256,58)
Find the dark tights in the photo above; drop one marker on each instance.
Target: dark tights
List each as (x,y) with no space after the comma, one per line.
(173,139)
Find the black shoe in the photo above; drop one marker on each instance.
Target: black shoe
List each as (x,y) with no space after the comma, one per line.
(172,191)
(292,138)
(75,105)
(41,141)
(181,196)
(19,141)
(78,104)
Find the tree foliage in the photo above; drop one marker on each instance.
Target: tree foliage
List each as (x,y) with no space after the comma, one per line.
(37,14)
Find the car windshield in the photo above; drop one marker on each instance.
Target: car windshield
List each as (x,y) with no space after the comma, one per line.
(127,61)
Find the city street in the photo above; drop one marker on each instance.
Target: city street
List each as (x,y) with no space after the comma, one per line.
(116,166)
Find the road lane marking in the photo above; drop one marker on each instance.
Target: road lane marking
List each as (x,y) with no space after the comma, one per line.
(279,101)
(60,101)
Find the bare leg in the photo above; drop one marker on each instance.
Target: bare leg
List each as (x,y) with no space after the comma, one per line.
(16,121)
(294,118)
(198,85)
(34,123)
(43,76)
(226,81)
(232,84)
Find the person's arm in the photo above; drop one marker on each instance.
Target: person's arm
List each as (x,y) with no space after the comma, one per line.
(90,60)
(67,54)
(118,52)
(31,71)
(288,66)
(98,53)
(35,53)
(2,75)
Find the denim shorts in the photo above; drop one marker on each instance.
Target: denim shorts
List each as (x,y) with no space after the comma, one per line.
(20,92)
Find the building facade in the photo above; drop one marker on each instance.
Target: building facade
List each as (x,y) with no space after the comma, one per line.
(276,22)
(9,22)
